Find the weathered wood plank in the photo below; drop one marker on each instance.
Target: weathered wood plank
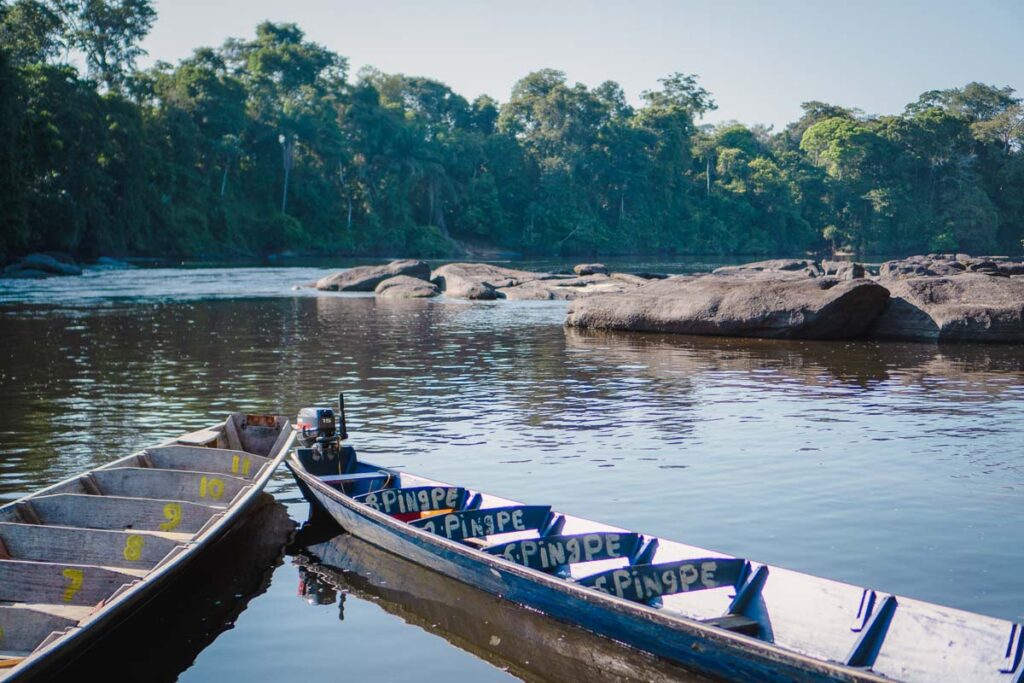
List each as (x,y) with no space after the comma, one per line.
(736,623)
(234,463)
(489,522)
(643,583)
(60,544)
(194,487)
(122,513)
(200,437)
(231,432)
(69,584)
(22,629)
(549,553)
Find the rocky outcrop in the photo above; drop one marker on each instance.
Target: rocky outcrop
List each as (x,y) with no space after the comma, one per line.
(366,278)
(405,287)
(739,305)
(843,270)
(790,267)
(480,280)
(40,266)
(968,307)
(922,266)
(948,265)
(590,269)
(570,289)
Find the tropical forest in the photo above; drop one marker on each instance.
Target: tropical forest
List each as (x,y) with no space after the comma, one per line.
(269,145)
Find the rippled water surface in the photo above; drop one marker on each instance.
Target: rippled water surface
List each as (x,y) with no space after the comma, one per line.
(897,466)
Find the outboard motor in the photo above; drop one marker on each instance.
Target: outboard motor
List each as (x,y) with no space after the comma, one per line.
(320,436)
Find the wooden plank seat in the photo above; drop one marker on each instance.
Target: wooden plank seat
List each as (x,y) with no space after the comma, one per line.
(60,544)
(22,629)
(69,584)
(201,437)
(211,460)
(552,553)
(415,499)
(645,583)
(466,524)
(193,487)
(120,512)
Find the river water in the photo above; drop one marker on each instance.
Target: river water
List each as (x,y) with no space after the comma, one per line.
(897,466)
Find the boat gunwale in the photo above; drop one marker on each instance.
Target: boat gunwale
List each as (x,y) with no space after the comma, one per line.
(146,587)
(767,651)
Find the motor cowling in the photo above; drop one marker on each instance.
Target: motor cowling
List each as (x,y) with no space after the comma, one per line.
(320,433)
(316,425)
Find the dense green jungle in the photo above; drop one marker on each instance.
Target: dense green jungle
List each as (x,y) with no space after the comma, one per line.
(267,145)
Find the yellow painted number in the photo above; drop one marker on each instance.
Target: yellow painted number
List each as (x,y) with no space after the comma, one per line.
(172,512)
(75,578)
(243,464)
(133,547)
(211,487)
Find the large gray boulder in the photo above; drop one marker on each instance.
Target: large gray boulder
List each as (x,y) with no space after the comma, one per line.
(784,267)
(568,289)
(480,280)
(741,306)
(971,307)
(366,278)
(843,270)
(405,287)
(590,269)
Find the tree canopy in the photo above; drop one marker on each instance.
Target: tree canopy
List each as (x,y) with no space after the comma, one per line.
(267,144)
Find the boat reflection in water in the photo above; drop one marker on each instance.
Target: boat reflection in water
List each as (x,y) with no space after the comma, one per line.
(198,606)
(525,643)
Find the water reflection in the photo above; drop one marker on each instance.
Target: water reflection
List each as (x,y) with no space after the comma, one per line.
(525,643)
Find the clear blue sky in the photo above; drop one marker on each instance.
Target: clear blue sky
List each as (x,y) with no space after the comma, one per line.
(760,59)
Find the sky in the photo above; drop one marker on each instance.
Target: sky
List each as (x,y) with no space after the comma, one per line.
(760,59)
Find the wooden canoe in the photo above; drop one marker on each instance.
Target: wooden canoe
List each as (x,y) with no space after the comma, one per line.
(718,615)
(83,553)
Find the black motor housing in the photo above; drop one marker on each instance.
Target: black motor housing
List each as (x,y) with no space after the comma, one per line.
(320,436)
(315,425)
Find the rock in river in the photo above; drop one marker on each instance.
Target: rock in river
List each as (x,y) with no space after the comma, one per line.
(741,306)
(590,269)
(971,307)
(405,287)
(366,278)
(783,266)
(480,280)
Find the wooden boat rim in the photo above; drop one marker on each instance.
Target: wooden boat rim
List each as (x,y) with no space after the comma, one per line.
(677,621)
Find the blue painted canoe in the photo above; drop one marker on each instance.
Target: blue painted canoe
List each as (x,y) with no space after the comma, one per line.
(713,613)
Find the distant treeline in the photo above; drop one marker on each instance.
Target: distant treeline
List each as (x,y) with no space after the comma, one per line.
(266,145)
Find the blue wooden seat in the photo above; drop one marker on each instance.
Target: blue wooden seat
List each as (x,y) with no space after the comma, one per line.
(415,499)
(552,553)
(646,583)
(478,523)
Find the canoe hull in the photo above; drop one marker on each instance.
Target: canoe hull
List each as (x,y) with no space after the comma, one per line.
(272,444)
(699,647)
